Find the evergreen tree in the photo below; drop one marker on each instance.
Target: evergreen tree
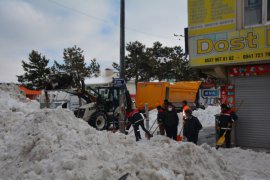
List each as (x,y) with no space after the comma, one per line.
(75,66)
(157,63)
(159,57)
(59,78)
(94,68)
(36,74)
(179,65)
(134,60)
(137,64)
(171,63)
(116,66)
(181,70)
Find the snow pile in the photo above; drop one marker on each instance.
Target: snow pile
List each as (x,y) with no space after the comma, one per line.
(12,99)
(53,144)
(250,164)
(207,116)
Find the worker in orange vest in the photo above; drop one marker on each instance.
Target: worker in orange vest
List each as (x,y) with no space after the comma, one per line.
(184,108)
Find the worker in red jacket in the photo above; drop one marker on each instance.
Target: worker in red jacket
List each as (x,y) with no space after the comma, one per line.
(224,123)
(136,120)
(161,120)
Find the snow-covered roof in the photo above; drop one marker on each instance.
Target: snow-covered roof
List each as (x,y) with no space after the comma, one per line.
(99,80)
(105,77)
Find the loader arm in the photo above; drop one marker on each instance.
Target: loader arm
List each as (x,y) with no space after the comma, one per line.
(85,95)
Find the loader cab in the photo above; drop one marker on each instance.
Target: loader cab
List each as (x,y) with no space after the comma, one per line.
(108,98)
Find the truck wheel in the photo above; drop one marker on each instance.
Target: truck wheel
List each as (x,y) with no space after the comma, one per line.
(99,121)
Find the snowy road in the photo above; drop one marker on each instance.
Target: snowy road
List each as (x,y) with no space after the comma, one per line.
(207,135)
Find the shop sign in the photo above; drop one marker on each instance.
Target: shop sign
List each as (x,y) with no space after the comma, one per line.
(119,82)
(246,45)
(210,93)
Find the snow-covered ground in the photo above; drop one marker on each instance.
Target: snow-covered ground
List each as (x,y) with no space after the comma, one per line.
(53,144)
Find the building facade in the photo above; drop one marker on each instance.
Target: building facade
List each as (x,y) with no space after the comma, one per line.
(230,40)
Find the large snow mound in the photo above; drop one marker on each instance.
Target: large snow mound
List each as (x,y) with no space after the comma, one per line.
(53,144)
(250,164)
(12,99)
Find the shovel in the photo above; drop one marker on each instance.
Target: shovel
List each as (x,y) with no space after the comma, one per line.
(179,137)
(124,177)
(221,140)
(151,134)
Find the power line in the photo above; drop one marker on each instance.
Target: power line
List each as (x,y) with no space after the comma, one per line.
(149,34)
(79,12)
(107,21)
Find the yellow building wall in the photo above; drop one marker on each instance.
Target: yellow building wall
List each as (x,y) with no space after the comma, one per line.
(208,16)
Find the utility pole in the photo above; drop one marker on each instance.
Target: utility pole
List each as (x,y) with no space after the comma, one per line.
(122,39)
(122,68)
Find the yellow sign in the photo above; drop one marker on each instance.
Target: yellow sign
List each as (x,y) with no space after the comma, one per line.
(230,47)
(208,16)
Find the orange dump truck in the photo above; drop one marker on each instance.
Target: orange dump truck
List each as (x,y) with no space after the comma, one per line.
(153,93)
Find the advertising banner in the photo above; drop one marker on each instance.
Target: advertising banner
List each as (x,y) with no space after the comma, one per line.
(251,70)
(246,45)
(208,16)
(228,96)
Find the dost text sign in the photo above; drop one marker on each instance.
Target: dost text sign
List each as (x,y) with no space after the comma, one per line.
(230,47)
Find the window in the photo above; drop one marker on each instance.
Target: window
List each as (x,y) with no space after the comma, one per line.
(256,12)
(253,12)
(268,10)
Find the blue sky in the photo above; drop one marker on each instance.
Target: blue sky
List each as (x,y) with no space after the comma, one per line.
(49,26)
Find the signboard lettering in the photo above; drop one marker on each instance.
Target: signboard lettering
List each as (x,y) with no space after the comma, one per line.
(206,16)
(230,47)
(210,93)
(118,82)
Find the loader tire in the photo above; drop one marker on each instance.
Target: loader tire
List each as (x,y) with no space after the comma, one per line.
(99,121)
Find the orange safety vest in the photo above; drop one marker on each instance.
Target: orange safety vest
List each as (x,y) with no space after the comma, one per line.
(185,107)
